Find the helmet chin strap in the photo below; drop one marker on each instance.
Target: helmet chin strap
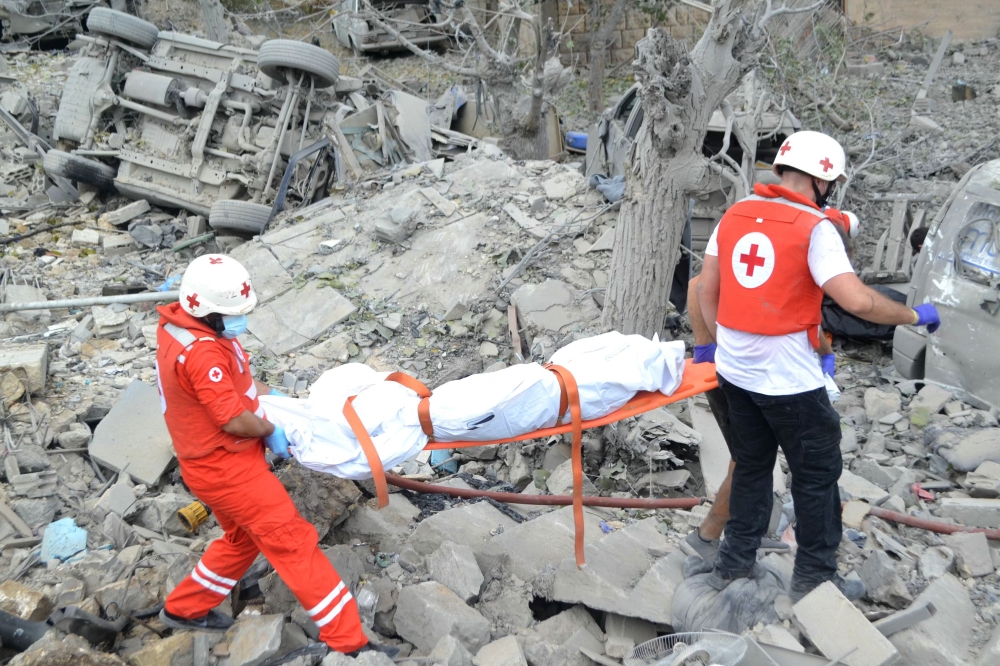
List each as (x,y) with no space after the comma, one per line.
(821,199)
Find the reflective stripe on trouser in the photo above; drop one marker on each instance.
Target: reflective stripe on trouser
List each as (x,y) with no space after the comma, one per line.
(260,517)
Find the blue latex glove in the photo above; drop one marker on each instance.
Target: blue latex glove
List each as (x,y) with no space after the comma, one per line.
(276,392)
(829,364)
(278,443)
(927,315)
(704,353)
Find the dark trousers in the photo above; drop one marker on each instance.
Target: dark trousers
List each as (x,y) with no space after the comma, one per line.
(807,429)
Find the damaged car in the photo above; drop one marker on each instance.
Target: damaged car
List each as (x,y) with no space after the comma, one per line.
(958,269)
(43,21)
(188,123)
(412,18)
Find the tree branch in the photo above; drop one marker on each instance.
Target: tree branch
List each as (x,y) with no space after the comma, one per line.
(375,17)
(770,13)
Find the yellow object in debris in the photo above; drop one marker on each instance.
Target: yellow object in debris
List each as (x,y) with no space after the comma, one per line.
(192,516)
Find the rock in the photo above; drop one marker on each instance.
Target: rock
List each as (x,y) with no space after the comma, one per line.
(895,503)
(449,651)
(126,596)
(834,625)
(872,471)
(932,398)
(62,540)
(118,499)
(972,512)
(386,528)
(24,602)
(31,458)
(134,434)
(36,512)
(322,499)
(82,237)
(70,651)
(561,481)
(958,58)
(859,488)
(125,214)
(854,513)
(985,481)
(428,611)
(504,652)
(775,634)
(944,639)
(176,650)
(254,639)
(337,659)
(881,403)
(454,565)
(455,311)
(972,553)
(488,350)
(848,438)
(160,513)
(70,592)
(990,654)
(564,185)
(882,581)
(470,524)
(77,436)
(553,306)
(624,633)
(967,452)
(373,658)
(335,348)
(29,363)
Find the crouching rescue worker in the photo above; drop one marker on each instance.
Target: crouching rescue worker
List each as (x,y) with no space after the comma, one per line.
(767,265)
(219,431)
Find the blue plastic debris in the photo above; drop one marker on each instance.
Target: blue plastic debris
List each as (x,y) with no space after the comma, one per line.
(577,140)
(170,283)
(439,456)
(62,540)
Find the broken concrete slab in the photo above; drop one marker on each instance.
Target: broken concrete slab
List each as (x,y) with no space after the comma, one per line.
(503,652)
(942,640)
(470,525)
(553,305)
(449,651)
(985,481)
(936,561)
(428,611)
(972,553)
(972,512)
(24,602)
(134,434)
(932,398)
(862,489)
(268,277)
(455,566)
(560,482)
(882,581)
(386,528)
(834,625)
(881,403)
(124,214)
(29,363)
(254,639)
(298,318)
(624,633)
(989,655)
(965,452)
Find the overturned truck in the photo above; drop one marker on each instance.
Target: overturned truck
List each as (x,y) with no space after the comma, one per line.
(189,123)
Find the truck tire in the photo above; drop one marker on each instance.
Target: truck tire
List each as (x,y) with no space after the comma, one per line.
(242,217)
(79,169)
(123,26)
(277,55)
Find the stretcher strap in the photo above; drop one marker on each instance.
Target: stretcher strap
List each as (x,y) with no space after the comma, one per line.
(424,408)
(563,396)
(368,446)
(572,393)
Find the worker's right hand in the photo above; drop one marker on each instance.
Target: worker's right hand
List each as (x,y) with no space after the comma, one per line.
(927,315)
(704,353)
(278,443)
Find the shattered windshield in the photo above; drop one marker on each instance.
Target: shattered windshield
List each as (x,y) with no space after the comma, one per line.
(977,247)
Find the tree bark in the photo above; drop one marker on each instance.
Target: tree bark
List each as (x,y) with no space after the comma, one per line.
(679,94)
(600,34)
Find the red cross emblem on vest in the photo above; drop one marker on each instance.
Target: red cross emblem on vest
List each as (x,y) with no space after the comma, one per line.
(753,260)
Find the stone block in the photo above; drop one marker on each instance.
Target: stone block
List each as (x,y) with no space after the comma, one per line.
(118,244)
(449,651)
(834,625)
(624,633)
(560,482)
(134,433)
(428,611)
(972,512)
(127,596)
(881,403)
(30,363)
(454,565)
(82,237)
(932,398)
(297,318)
(254,639)
(504,652)
(176,650)
(972,553)
(322,499)
(882,581)
(24,602)
(470,525)
(386,528)
(985,481)
(125,213)
(944,639)
(118,499)
(862,489)
(883,477)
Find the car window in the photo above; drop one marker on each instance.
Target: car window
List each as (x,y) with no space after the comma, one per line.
(625,106)
(976,244)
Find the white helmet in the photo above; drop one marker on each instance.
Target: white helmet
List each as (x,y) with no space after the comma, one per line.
(814,153)
(216,283)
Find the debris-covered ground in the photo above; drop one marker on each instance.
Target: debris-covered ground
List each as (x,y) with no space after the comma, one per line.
(416,267)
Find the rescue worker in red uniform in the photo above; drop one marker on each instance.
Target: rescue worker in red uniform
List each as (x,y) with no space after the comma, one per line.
(219,431)
(767,265)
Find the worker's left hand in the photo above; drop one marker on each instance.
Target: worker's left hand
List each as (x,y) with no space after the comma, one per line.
(278,443)
(704,353)
(927,315)
(829,364)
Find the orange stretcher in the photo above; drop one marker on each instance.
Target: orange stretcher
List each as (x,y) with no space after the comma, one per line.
(696,379)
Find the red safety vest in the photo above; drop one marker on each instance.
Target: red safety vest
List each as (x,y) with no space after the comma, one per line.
(194,432)
(766,287)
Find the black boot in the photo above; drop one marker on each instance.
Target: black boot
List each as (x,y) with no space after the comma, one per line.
(212,621)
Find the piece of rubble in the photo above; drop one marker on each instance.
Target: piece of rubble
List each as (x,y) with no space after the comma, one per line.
(455,566)
(77,436)
(134,434)
(854,513)
(860,488)
(26,293)
(972,512)
(124,214)
(966,451)
(170,651)
(69,651)
(560,482)
(124,597)
(775,634)
(269,278)
(29,363)
(605,243)
(428,611)
(882,582)
(972,553)
(449,651)
(386,528)
(881,403)
(85,237)
(834,625)
(563,185)
(932,398)
(470,524)
(624,633)
(118,499)
(62,540)
(503,652)
(298,317)
(553,305)
(254,639)
(24,602)
(322,499)
(943,639)
(989,655)
(985,481)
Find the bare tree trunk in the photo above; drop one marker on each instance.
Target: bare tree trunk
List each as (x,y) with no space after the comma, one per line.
(601,29)
(216,26)
(680,92)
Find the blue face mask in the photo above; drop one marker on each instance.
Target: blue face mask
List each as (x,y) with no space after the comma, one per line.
(233,325)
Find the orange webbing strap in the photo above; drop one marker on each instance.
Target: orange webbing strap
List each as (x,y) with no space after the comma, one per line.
(567,381)
(424,408)
(563,397)
(368,446)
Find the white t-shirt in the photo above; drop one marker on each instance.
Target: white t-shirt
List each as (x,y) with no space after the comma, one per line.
(780,364)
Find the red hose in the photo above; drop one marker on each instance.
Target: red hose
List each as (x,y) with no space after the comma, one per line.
(547,500)
(930,525)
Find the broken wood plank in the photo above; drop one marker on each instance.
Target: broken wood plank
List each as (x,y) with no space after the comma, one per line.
(515,336)
(921,103)
(15,520)
(897,235)
(347,151)
(24,542)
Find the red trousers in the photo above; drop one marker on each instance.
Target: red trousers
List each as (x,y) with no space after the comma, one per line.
(259,517)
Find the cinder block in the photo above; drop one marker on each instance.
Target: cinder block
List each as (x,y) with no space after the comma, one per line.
(30,364)
(834,625)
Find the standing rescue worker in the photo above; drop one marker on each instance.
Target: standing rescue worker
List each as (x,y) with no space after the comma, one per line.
(219,430)
(767,265)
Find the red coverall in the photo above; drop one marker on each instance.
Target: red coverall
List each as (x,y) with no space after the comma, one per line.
(204,383)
